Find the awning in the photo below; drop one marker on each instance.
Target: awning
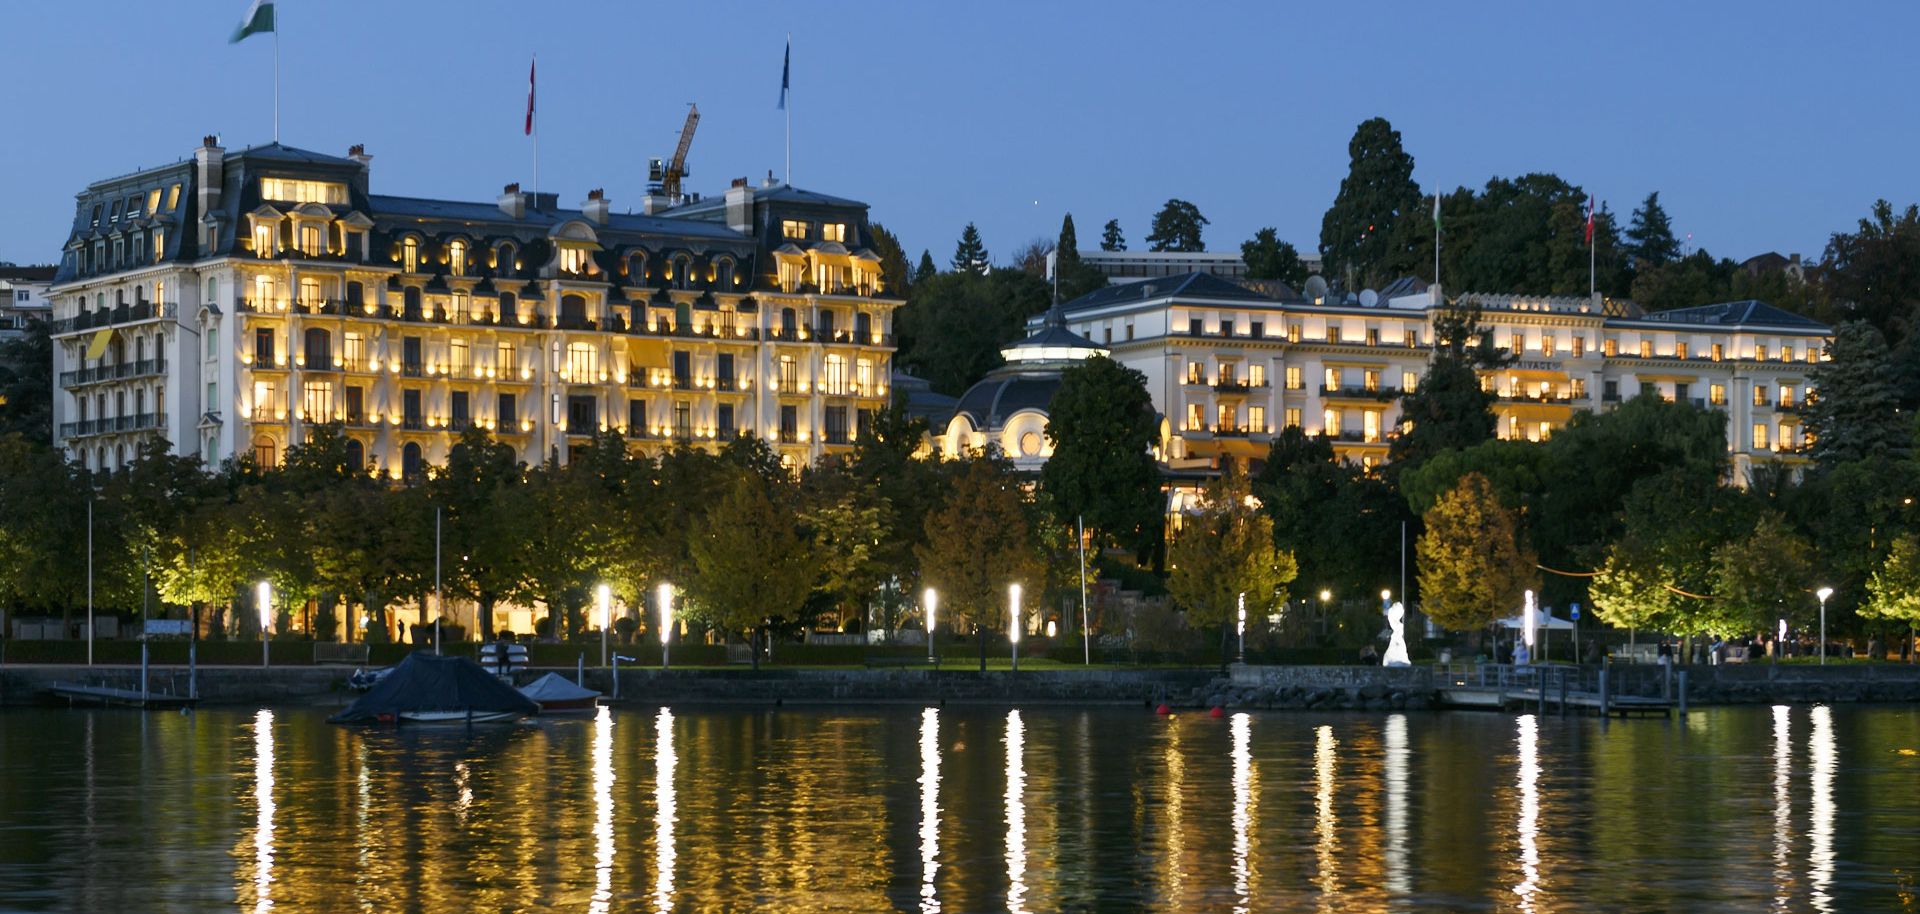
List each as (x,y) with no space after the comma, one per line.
(98,347)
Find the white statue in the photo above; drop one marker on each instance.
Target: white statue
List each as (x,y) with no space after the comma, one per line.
(1397,643)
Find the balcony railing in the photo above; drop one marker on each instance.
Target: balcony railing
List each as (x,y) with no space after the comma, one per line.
(412,369)
(1360,393)
(112,425)
(140,369)
(413,423)
(1542,398)
(121,314)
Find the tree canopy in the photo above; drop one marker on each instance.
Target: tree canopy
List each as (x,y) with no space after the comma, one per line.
(1110,237)
(1650,241)
(1357,234)
(1102,427)
(970,254)
(1177,227)
(1267,257)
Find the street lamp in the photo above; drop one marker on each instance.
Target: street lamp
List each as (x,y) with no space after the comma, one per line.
(1529,624)
(603,595)
(1823,593)
(666,620)
(264,592)
(1780,640)
(1013,629)
(931,602)
(1242,602)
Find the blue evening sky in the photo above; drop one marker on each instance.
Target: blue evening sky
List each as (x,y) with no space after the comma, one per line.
(1765,126)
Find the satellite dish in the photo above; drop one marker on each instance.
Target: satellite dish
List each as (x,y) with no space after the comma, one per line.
(1369,298)
(1316,286)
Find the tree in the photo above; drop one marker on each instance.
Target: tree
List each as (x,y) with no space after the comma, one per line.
(1660,572)
(1874,271)
(970,255)
(1893,593)
(43,515)
(1267,257)
(466,489)
(750,563)
(1758,578)
(1341,524)
(1031,258)
(895,275)
(1474,564)
(1855,413)
(977,543)
(1449,410)
(1076,276)
(1357,232)
(1225,554)
(952,329)
(1177,227)
(1068,244)
(1102,427)
(26,383)
(849,525)
(1696,279)
(1110,237)
(925,270)
(1651,236)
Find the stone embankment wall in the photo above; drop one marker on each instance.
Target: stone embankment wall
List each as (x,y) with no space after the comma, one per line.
(863,686)
(21,685)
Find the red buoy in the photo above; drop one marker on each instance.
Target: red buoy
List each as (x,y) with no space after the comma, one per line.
(1216,712)
(1163,709)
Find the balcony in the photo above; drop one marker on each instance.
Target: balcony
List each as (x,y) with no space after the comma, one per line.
(574,322)
(140,369)
(1360,393)
(787,335)
(412,369)
(1354,436)
(1236,386)
(1561,399)
(789,436)
(107,317)
(113,425)
(413,423)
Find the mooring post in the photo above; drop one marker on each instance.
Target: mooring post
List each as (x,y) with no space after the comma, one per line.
(580,671)
(1603,692)
(143,673)
(1683,693)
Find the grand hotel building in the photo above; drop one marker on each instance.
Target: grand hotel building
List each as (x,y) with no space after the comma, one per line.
(1229,365)
(230,302)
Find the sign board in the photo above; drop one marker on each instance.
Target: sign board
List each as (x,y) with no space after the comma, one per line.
(1575,612)
(179,627)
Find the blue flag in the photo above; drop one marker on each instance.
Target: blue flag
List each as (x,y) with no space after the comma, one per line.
(786,67)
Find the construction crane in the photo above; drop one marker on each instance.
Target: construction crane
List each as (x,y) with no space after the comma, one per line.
(667,177)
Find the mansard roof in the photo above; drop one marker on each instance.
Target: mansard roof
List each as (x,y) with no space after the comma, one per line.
(1747,313)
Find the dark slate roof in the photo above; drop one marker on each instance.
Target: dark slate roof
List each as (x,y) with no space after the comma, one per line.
(422,208)
(28,274)
(292,154)
(921,402)
(1736,313)
(1186,285)
(783,193)
(1056,335)
(1002,394)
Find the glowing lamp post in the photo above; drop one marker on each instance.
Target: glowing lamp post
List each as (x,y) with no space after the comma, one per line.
(1823,593)
(1013,629)
(931,602)
(264,594)
(1780,639)
(666,621)
(1529,624)
(603,597)
(1242,602)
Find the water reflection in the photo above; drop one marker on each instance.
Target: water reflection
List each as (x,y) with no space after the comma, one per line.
(1242,811)
(929,809)
(663,812)
(1824,754)
(1782,804)
(1325,828)
(1529,824)
(602,811)
(1395,737)
(263,811)
(1016,813)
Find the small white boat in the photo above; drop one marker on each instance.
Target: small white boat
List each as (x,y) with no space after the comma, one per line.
(556,694)
(458,717)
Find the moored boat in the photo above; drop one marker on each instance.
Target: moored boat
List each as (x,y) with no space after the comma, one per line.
(429,688)
(557,694)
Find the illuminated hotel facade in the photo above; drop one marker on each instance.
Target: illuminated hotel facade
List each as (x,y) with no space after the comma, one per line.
(1229,367)
(231,302)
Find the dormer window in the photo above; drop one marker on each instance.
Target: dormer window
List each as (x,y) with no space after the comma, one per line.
(159,244)
(723,274)
(263,240)
(288,190)
(310,241)
(573,260)
(153,200)
(410,255)
(503,258)
(115,216)
(793,229)
(457,258)
(834,231)
(682,272)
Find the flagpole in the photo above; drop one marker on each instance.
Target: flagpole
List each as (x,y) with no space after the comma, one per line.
(1593,247)
(276,73)
(534,106)
(787,96)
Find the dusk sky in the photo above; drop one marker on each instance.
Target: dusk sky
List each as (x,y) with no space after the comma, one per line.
(1765,126)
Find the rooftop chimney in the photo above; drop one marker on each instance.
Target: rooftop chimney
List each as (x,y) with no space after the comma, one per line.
(209,171)
(770,181)
(740,206)
(512,201)
(596,206)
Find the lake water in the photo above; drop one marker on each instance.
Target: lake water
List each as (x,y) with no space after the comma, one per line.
(961,810)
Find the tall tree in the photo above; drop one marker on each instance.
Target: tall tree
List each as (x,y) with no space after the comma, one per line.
(1267,257)
(1650,236)
(1874,271)
(970,254)
(1473,558)
(952,329)
(1893,593)
(1110,237)
(1225,554)
(1068,244)
(895,276)
(1758,578)
(978,542)
(1696,279)
(1357,232)
(1660,572)
(1177,227)
(1449,410)
(925,270)
(750,563)
(1102,427)
(1076,276)
(26,383)
(1340,523)
(1855,413)
(1031,258)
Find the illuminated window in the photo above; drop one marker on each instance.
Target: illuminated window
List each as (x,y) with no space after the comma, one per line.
(789,374)
(1330,378)
(1786,397)
(863,376)
(1646,349)
(317,400)
(309,292)
(1760,352)
(1413,339)
(1519,344)
(1679,350)
(796,230)
(583,362)
(1294,379)
(1546,431)
(262,293)
(1292,416)
(1373,336)
(173,196)
(1256,419)
(1333,334)
(1196,373)
(1759,395)
(263,451)
(836,366)
(457,258)
(1579,346)
(1717,394)
(410,255)
(262,401)
(1293,333)
(833,231)
(1546,344)
(1409,380)
(1330,421)
(1513,428)
(458,358)
(458,307)
(153,200)
(1257,374)
(503,359)
(287,190)
(263,240)
(310,243)
(1610,348)
(1371,378)
(1759,436)
(1196,419)
(573,260)
(1719,352)
(354,349)
(1225,417)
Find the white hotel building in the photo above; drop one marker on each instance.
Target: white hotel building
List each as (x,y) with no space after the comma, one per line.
(1229,367)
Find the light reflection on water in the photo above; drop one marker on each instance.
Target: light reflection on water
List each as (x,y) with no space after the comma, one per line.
(891,810)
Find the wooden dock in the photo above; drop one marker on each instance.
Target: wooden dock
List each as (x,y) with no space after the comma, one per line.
(76,694)
(1545,687)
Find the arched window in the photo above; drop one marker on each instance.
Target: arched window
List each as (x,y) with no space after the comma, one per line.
(410,255)
(263,451)
(637,266)
(411,465)
(356,455)
(683,272)
(410,304)
(723,273)
(503,259)
(573,311)
(457,257)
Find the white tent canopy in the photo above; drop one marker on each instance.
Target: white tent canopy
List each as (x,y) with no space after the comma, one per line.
(1542,620)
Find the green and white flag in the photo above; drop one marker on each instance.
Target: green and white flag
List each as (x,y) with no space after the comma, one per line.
(259,19)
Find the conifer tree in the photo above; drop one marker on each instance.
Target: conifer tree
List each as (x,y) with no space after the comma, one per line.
(926,270)
(1110,237)
(970,255)
(1356,235)
(1651,235)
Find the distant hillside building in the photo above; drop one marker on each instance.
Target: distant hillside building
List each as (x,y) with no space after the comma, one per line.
(1134,266)
(23,298)
(232,302)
